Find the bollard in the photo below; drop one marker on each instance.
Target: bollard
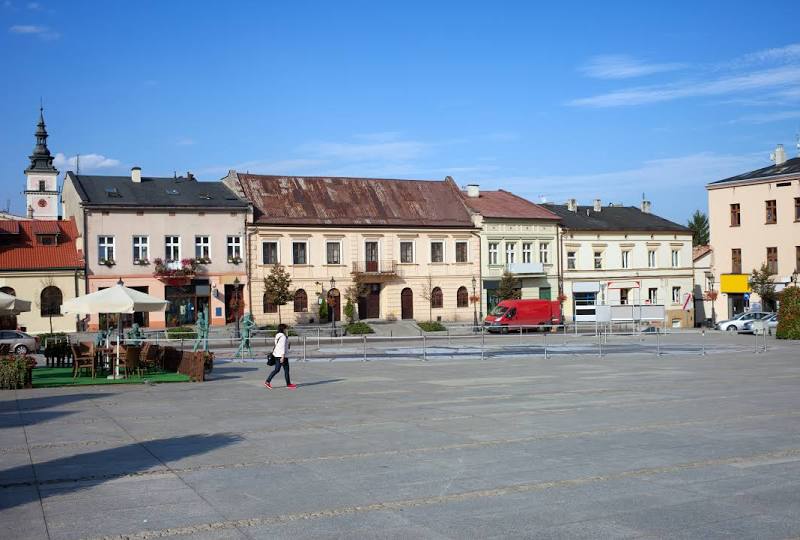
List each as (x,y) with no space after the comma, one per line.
(765,341)
(424,349)
(658,342)
(483,341)
(364,337)
(600,346)
(448,336)
(545,345)
(755,335)
(703,340)
(305,359)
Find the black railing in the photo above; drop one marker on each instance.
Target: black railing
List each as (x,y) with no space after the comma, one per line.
(386,268)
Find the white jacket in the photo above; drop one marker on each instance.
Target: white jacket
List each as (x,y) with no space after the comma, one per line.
(280,345)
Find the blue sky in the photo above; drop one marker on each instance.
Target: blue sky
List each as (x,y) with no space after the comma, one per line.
(585,100)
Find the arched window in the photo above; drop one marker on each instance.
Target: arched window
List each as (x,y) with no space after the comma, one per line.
(300,301)
(269,307)
(437,300)
(462,297)
(50,301)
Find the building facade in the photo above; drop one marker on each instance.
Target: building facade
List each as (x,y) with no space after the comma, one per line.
(410,245)
(703,291)
(614,255)
(754,219)
(40,262)
(516,235)
(175,238)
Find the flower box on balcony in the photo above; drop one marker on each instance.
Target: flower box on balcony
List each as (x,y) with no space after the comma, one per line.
(235,260)
(107,262)
(203,260)
(141,262)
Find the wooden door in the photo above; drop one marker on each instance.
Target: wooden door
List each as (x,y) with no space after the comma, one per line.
(371,256)
(407,304)
(374,302)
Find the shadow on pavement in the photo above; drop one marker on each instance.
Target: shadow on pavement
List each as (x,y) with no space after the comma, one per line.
(315,383)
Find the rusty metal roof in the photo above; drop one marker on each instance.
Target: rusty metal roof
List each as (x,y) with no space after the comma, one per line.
(364,202)
(504,204)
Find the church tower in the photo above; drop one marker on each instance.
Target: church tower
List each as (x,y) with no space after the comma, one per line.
(41,185)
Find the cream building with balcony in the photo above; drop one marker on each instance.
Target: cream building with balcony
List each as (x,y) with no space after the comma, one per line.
(754,219)
(613,255)
(126,223)
(411,243)
(516,235)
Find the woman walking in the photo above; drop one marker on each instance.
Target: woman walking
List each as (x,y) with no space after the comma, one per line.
(281,361)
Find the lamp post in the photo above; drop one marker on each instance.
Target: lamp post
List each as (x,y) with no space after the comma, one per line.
(795,276)
(332,303)
(474,304)
(236,303)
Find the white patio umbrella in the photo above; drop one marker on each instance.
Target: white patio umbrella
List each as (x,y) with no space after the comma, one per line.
(11,305)
(118,299)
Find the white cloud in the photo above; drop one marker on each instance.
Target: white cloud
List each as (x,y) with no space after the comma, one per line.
(758,80)
(88,162)
(788,53)
(620,66)
(389,150)
(766,118)
(43,32)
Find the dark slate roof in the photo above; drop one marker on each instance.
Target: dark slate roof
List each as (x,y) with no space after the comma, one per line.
(790,166)
(153,192)
(504,204)
(613,218)
(375,202)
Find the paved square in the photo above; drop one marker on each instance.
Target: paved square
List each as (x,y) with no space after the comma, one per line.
(575,446)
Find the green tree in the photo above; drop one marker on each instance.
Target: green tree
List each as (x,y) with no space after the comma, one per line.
(277,287)
(323,310)
(761,283)
(789,314)
(427,294)
(699,227)
(509,287)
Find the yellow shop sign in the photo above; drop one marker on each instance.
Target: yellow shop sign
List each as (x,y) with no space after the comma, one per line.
(734,283)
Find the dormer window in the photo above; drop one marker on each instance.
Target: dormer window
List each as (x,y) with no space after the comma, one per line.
(172,191)
(47,239)
(113,192)
(205,196)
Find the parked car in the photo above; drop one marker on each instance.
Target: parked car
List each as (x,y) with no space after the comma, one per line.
(19,342)
(771,322)
(522,313)
(737,323)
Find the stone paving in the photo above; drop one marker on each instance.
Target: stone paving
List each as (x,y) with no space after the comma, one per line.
(574,446)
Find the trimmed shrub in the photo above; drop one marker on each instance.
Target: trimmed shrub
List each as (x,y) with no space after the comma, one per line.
(15,372)
(181,332)
(350,312)
(431,326)
(789,314)
(358,328)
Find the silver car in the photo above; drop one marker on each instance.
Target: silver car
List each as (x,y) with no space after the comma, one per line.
(771,322)
(737,323)
(19,342)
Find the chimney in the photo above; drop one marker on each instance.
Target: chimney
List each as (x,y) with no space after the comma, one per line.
(645,207)
(572,205)
(597,205)
(190,176)
(136,175)
(779,155)
(473,191)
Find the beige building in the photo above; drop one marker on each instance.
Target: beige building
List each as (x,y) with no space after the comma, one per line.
(614,255)
(516,235)
(175,238)
(754,219)
(703,259)
(412,244)
(39,262)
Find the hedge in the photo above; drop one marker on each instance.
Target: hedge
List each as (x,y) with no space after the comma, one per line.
(789,314)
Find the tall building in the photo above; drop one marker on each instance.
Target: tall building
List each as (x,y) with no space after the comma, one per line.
(41,183)
(754,219)
(613,255)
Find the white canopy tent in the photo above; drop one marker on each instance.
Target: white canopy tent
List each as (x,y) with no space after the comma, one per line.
(117,299)
(11,305)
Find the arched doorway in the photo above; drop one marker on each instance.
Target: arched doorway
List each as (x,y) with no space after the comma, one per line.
(334,305)
(407,304)
(8,322)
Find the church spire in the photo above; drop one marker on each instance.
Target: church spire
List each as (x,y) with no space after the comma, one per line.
(41,160)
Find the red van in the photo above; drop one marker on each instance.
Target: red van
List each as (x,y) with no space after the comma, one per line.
(522,313)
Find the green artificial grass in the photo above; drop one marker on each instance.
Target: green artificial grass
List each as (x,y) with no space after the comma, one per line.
(51,377)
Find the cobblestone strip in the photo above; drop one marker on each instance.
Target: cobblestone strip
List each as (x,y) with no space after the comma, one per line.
(444,499)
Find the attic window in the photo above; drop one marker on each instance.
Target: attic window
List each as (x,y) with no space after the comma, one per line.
(783,184)
(205,196)
(113,192)
(172,191)
(47,239)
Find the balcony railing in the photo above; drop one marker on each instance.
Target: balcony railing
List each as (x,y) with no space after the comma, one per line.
(380,270)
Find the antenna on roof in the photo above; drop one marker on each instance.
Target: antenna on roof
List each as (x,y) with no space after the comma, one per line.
(175,175)
(78,164)
(797,143)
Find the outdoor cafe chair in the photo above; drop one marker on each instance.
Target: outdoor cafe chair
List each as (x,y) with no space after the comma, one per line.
(82,360)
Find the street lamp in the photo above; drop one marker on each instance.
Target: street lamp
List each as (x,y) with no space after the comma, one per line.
(332,303)
(795,275)
(236,302)
(713,295)
(474,305)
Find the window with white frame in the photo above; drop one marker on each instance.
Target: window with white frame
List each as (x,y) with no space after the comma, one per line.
(651,258)
(598,259)
(652,295)
(511,252)
(437,251)
(202,247)
(333,252)
(676,258)
(141,248)
(406,251)
(269,252)
(526,252)
(105,248)
(234,248)
(462,251)
(676,295)
(544,252)
(172,248)
(626,258)
(300,252)
(571,260)
(493,252)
